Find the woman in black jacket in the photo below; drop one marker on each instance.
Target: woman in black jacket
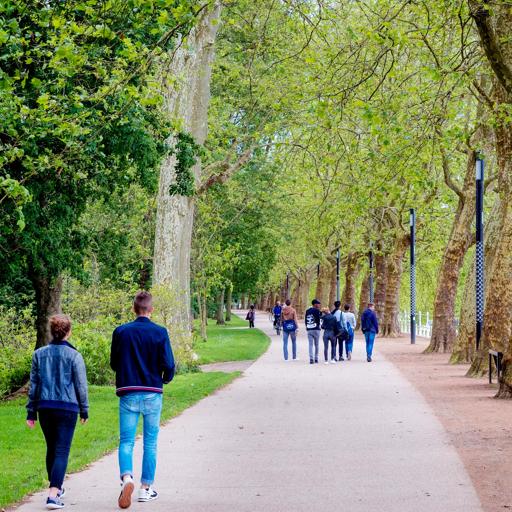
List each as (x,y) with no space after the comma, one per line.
(58,393)
(330,328)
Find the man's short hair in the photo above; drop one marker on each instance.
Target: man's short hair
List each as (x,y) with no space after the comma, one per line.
(288,302)
(315,301)
(143,303)
(337,304)
(346,307)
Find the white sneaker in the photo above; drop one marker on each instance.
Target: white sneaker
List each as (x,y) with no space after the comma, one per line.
(127,487)
(326,362)
(147,494)
(333,361)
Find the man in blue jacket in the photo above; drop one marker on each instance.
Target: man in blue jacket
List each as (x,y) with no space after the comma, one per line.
(370,328)
(141,356)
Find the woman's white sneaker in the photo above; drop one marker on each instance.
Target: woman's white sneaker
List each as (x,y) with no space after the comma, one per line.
(127,487)
(147,494)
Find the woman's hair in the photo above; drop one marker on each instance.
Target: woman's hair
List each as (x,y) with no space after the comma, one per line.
(60,326)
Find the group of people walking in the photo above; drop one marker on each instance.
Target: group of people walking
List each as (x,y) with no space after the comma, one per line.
(142,359)
(338,328)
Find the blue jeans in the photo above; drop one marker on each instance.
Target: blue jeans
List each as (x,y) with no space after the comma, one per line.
(131,406)
(293,335)
(349,344)
(370,340)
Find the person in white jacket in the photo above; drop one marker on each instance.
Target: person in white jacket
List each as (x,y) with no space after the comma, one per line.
(350,319)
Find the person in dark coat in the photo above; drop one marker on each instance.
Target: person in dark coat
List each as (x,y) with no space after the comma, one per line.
(370,328)
(330,328)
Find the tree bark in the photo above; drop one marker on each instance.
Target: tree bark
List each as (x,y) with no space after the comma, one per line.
(188,103)
(229,300)
(380,285)
(220,308)
(351,274)
(461,238)
(464,347)
(364,298)
(390,324)
(323,283)
(493,20)
(245,301)
(48,293)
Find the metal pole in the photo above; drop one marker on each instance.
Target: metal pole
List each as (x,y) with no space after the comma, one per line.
(413,275)
(479,248)
(338,274)
(370,257)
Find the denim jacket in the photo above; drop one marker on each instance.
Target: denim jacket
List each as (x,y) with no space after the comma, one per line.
(57,380)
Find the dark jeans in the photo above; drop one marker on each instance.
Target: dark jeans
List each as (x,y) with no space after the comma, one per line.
(329,336)
(251,323)
(58,428)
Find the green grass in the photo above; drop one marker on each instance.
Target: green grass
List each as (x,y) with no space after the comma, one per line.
(22,451)
(231,343)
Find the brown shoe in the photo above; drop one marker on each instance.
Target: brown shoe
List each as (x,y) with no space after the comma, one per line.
(125,498)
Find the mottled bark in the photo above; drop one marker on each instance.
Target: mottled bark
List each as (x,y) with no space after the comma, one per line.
(351,274)
(364,298)
(390,323)
(245,301)
(380,285)
(229,301)
(493,20)
(201,304)
(48,293)
(323,283)
(220,308)
(187,102)
(461,237)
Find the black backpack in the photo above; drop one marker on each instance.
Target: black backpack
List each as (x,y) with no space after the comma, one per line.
(343,333)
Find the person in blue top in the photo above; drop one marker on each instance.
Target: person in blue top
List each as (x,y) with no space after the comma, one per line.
(276,311)
(58,393)
(141,356)
(370,328)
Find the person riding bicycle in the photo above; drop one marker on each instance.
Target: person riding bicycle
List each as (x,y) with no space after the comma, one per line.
(276,311)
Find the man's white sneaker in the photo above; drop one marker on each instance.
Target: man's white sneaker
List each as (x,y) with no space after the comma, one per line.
(127,488)
(147,494)
(326,362)
(333,361)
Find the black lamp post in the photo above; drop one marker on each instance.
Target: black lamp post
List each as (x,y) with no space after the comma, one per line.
(479,248)
(413,274)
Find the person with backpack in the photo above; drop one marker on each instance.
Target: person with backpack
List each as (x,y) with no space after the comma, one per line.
(142,359)
(370,328)
(276,311)
(290,328)
(330,328)
(350,322)
(342,335)
(58,394)
(251,316)
(313,320)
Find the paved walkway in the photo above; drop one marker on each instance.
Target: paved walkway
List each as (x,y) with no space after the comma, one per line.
(290,437)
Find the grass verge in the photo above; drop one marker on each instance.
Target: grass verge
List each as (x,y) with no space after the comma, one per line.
(22,451)
(231,342)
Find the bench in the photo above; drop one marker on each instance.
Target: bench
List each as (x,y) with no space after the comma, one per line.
(497,357)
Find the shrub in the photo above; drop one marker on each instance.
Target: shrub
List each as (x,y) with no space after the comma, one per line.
(93,340)
(17,341)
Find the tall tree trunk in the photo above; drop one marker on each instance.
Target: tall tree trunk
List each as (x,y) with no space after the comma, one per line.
(351,273)
(220,308)
(245,301)
(380,285)
(188,103)
(364,298)
(391,325)
(48,293)
(323,283)
(464,347)
(202,316)
(229,301)
(493,20)
(302,305)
